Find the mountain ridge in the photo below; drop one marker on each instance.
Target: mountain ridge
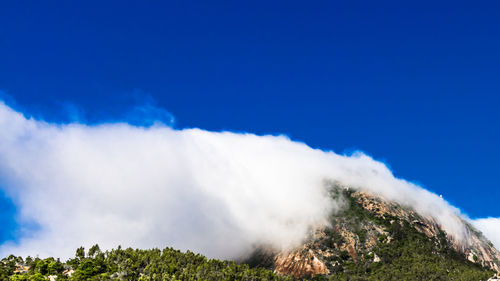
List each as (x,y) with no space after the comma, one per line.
(365,225)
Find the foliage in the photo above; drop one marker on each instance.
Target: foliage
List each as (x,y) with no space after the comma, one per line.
(410,255)
(137,265)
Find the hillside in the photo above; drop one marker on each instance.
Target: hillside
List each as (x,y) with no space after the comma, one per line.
(378,240)
(369,239)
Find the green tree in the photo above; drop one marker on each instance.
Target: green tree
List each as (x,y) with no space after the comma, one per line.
(80,253)
(94,250)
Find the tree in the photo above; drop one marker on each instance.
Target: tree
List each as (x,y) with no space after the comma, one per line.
(80,253)
(94,250)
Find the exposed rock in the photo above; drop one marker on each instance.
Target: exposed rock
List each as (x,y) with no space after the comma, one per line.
(348,237)
(68,272)
(21,268)
(476,249)
(496,277)
(299,263)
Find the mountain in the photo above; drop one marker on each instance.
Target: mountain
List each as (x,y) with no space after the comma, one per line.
(370,238)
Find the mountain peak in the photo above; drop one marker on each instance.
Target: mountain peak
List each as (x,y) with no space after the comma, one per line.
(370,232)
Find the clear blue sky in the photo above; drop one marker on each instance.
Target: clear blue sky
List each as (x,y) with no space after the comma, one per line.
(415,85)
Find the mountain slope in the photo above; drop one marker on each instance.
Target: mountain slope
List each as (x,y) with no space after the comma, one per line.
(369,239)
(372,238)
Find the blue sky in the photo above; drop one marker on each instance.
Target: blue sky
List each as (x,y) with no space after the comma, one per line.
(414,85)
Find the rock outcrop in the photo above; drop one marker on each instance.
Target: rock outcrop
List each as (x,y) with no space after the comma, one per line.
(362,227)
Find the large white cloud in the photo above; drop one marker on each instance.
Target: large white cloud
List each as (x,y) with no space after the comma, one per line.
(218,193)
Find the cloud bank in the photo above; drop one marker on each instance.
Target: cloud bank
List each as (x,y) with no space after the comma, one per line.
(217,193)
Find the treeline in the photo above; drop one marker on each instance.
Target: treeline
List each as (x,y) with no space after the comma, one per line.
(413,257)
(133,265)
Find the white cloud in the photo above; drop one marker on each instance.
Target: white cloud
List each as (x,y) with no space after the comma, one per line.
(490,227)
(218,193)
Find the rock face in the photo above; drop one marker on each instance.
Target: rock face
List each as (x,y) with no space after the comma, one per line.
(362,227)
(299,263)
(476,248)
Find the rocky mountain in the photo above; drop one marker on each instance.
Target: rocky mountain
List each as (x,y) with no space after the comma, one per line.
(375,237)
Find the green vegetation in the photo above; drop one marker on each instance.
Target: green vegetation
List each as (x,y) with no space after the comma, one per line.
(410,255)
(401,253)
(134,265)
